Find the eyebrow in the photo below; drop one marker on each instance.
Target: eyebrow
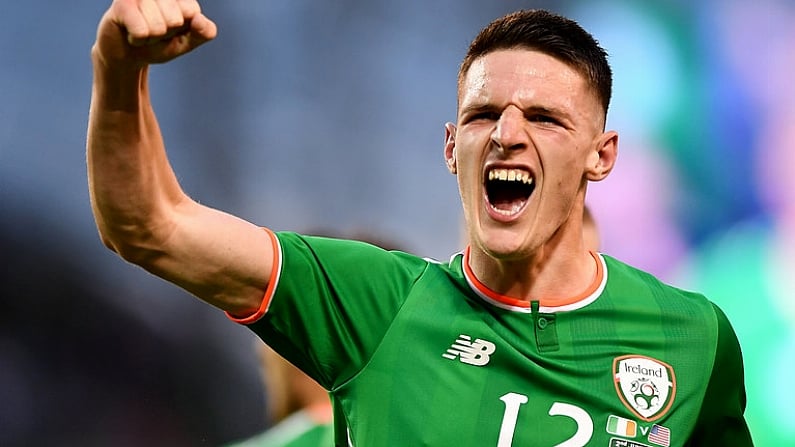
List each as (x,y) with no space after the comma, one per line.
(542,109)
(476,108)
(532,110)
(552,111)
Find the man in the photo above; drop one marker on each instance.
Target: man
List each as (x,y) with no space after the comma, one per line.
(525,338)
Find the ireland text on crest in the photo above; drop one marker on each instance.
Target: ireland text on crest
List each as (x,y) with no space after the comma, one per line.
(645,385)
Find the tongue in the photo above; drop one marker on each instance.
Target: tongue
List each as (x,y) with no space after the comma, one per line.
(508,206)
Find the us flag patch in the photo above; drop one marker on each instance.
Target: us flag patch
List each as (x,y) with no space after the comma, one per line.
(660,435)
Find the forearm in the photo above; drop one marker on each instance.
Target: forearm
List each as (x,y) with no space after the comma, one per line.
(131,183)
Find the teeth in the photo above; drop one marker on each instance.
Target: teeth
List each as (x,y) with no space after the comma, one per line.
(511,175)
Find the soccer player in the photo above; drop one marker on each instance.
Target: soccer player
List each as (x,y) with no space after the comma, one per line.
(524,338)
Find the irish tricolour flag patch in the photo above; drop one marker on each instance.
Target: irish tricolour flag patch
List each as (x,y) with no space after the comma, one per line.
(622,427)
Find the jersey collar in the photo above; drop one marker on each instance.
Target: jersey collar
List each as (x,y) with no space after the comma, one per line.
(514,304)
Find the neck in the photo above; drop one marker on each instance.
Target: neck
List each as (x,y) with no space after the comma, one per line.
(552,279)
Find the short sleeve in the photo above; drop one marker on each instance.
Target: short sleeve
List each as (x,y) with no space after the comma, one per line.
(334,302)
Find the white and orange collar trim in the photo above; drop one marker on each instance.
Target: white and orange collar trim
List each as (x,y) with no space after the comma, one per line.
(518,305)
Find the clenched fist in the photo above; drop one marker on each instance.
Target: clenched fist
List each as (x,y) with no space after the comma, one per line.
(136,33)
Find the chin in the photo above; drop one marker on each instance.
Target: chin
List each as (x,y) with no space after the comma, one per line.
(506,245)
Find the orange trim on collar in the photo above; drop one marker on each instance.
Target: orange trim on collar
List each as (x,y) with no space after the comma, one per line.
(516,302)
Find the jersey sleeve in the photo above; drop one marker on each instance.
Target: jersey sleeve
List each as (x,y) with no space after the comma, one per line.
(333,302)
(721,420)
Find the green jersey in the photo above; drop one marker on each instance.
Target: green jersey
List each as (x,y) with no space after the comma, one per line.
(417,352)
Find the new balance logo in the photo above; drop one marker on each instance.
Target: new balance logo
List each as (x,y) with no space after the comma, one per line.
(470,352)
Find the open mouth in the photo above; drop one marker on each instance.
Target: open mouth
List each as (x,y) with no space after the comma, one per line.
(508,190)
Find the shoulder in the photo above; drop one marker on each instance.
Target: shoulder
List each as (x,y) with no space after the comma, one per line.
(632,283)
(625,274)
(351,253)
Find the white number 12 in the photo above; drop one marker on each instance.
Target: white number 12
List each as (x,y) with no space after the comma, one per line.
(514,400)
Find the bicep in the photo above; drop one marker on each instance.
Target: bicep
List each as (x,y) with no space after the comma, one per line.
(220,258)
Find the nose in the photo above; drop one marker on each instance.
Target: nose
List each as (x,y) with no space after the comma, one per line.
(510,133)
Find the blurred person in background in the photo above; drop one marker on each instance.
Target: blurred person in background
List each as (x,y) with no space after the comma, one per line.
(299,407)
(527,337)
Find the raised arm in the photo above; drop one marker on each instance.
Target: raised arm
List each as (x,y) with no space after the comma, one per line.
(140,209)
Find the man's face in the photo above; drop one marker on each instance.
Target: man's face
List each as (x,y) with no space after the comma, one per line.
(529,135)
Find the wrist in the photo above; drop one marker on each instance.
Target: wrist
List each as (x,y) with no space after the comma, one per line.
(118,84)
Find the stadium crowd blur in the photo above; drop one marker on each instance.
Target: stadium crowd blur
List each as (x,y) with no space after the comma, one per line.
(350,98)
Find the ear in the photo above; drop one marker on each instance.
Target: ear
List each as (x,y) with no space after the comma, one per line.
(603,156)
(449,147)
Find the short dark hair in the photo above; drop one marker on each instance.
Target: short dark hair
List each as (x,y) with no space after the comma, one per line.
(549,33)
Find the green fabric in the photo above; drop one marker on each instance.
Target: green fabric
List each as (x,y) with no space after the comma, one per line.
(413,355)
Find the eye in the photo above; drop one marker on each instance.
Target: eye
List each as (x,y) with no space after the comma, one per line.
(484,116)
(541,118)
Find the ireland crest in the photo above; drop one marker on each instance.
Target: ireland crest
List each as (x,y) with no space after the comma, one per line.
(645,385)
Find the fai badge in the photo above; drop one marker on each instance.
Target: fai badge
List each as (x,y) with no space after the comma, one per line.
(645,385)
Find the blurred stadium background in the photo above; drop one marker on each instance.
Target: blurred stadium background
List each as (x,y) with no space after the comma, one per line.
(306,114)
